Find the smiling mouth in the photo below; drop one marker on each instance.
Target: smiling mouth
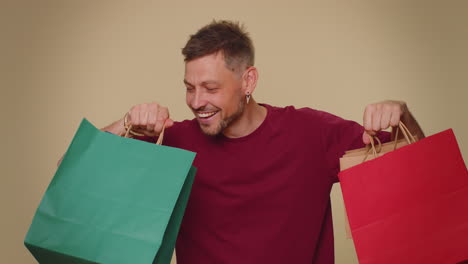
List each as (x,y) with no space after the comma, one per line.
(205,115)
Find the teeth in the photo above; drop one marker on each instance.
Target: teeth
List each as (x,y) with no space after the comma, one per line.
(206,114)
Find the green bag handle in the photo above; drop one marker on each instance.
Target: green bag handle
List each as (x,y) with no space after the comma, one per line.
(128,131)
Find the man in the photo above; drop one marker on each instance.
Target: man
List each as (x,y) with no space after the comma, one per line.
(262,190)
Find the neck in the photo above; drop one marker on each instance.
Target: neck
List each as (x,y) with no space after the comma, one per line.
(252,117)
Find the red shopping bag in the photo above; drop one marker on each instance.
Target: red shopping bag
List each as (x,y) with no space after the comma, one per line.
(410,205)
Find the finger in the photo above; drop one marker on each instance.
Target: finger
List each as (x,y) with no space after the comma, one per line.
(385,120)
(376,117)
(144,132)
(365,138)
(169,123)
(143,114)
(368,118)
(144,125)
(133,116)
(152,117)
(395,118)
(163,115)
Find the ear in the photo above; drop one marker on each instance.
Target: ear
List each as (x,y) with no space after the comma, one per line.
(249,80)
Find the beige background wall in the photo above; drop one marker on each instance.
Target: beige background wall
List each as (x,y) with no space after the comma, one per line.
(64,60)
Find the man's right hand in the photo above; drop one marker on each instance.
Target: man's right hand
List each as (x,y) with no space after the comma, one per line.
(148,119)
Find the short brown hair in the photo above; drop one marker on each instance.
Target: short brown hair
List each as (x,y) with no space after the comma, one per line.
(226,36)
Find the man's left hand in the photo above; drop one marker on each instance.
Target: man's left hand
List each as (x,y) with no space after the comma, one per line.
(380,116)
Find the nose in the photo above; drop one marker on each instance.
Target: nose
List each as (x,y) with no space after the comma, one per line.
(196,99)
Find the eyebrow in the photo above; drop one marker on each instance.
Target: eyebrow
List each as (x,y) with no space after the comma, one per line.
(202,84)
(187,83)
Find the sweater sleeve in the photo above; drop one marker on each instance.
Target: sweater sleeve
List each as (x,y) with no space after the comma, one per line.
(339,135)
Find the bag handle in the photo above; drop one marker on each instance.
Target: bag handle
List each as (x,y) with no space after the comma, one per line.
(406,134)
(160,137)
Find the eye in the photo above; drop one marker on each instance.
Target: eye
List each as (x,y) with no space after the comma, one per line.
(212,89)
(189,89)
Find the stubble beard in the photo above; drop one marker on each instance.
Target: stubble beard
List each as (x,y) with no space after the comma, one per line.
(225,122)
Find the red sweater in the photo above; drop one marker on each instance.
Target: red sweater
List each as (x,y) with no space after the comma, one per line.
(264,198)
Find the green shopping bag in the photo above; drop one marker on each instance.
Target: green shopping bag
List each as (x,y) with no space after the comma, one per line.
(112,200)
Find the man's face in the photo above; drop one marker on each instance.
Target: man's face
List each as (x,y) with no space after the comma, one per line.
(214,93)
